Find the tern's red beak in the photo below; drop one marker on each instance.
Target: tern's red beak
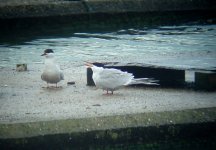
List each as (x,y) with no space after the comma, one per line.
(89,65)
(43,54)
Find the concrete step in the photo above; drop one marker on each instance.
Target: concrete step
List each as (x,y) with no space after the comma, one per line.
(126,130)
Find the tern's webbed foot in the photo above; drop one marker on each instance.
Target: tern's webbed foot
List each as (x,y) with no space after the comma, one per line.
(107,93)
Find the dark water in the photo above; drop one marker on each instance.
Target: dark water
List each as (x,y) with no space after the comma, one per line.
(188,44)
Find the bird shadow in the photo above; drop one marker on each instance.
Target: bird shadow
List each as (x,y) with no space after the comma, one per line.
(115,94)
(53,88)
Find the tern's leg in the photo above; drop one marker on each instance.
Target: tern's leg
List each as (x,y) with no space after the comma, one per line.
(107,92)
(47,85)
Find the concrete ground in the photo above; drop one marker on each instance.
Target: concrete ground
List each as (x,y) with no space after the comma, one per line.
(23,98)
(28,108)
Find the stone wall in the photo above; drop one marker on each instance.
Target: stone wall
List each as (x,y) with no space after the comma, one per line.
(42,8)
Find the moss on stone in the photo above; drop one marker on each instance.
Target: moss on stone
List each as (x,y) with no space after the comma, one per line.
(82,125)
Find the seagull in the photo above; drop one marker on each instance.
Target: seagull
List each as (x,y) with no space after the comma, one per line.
(52,72)
(110,79)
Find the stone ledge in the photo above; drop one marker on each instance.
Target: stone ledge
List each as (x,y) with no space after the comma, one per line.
(42,10)
(113,6)
(205,80)
(31,129)
(140,128)
(30,8)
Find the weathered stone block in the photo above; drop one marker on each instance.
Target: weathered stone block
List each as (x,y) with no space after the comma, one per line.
(21,67)
(205,81)
(42,9)
(90,81)
(116,6)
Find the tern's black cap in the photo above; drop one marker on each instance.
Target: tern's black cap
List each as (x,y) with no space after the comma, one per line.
(47,51)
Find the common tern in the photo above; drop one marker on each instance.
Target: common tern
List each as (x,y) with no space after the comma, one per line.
(110,79)
(52,73)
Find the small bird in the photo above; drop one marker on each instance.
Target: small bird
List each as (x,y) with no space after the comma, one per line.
(110,79)
(52,72)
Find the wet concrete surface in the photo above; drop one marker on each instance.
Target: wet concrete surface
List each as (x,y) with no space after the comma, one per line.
(25,99)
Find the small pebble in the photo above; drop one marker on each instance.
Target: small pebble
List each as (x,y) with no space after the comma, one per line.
(96,105)
(71,83)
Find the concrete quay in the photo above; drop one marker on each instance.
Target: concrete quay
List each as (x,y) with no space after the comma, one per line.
(45,8)
(79,115)
(31,115)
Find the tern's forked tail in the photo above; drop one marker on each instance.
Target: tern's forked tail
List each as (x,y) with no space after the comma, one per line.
(147,81)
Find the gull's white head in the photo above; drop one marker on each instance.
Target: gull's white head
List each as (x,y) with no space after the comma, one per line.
(48,53)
